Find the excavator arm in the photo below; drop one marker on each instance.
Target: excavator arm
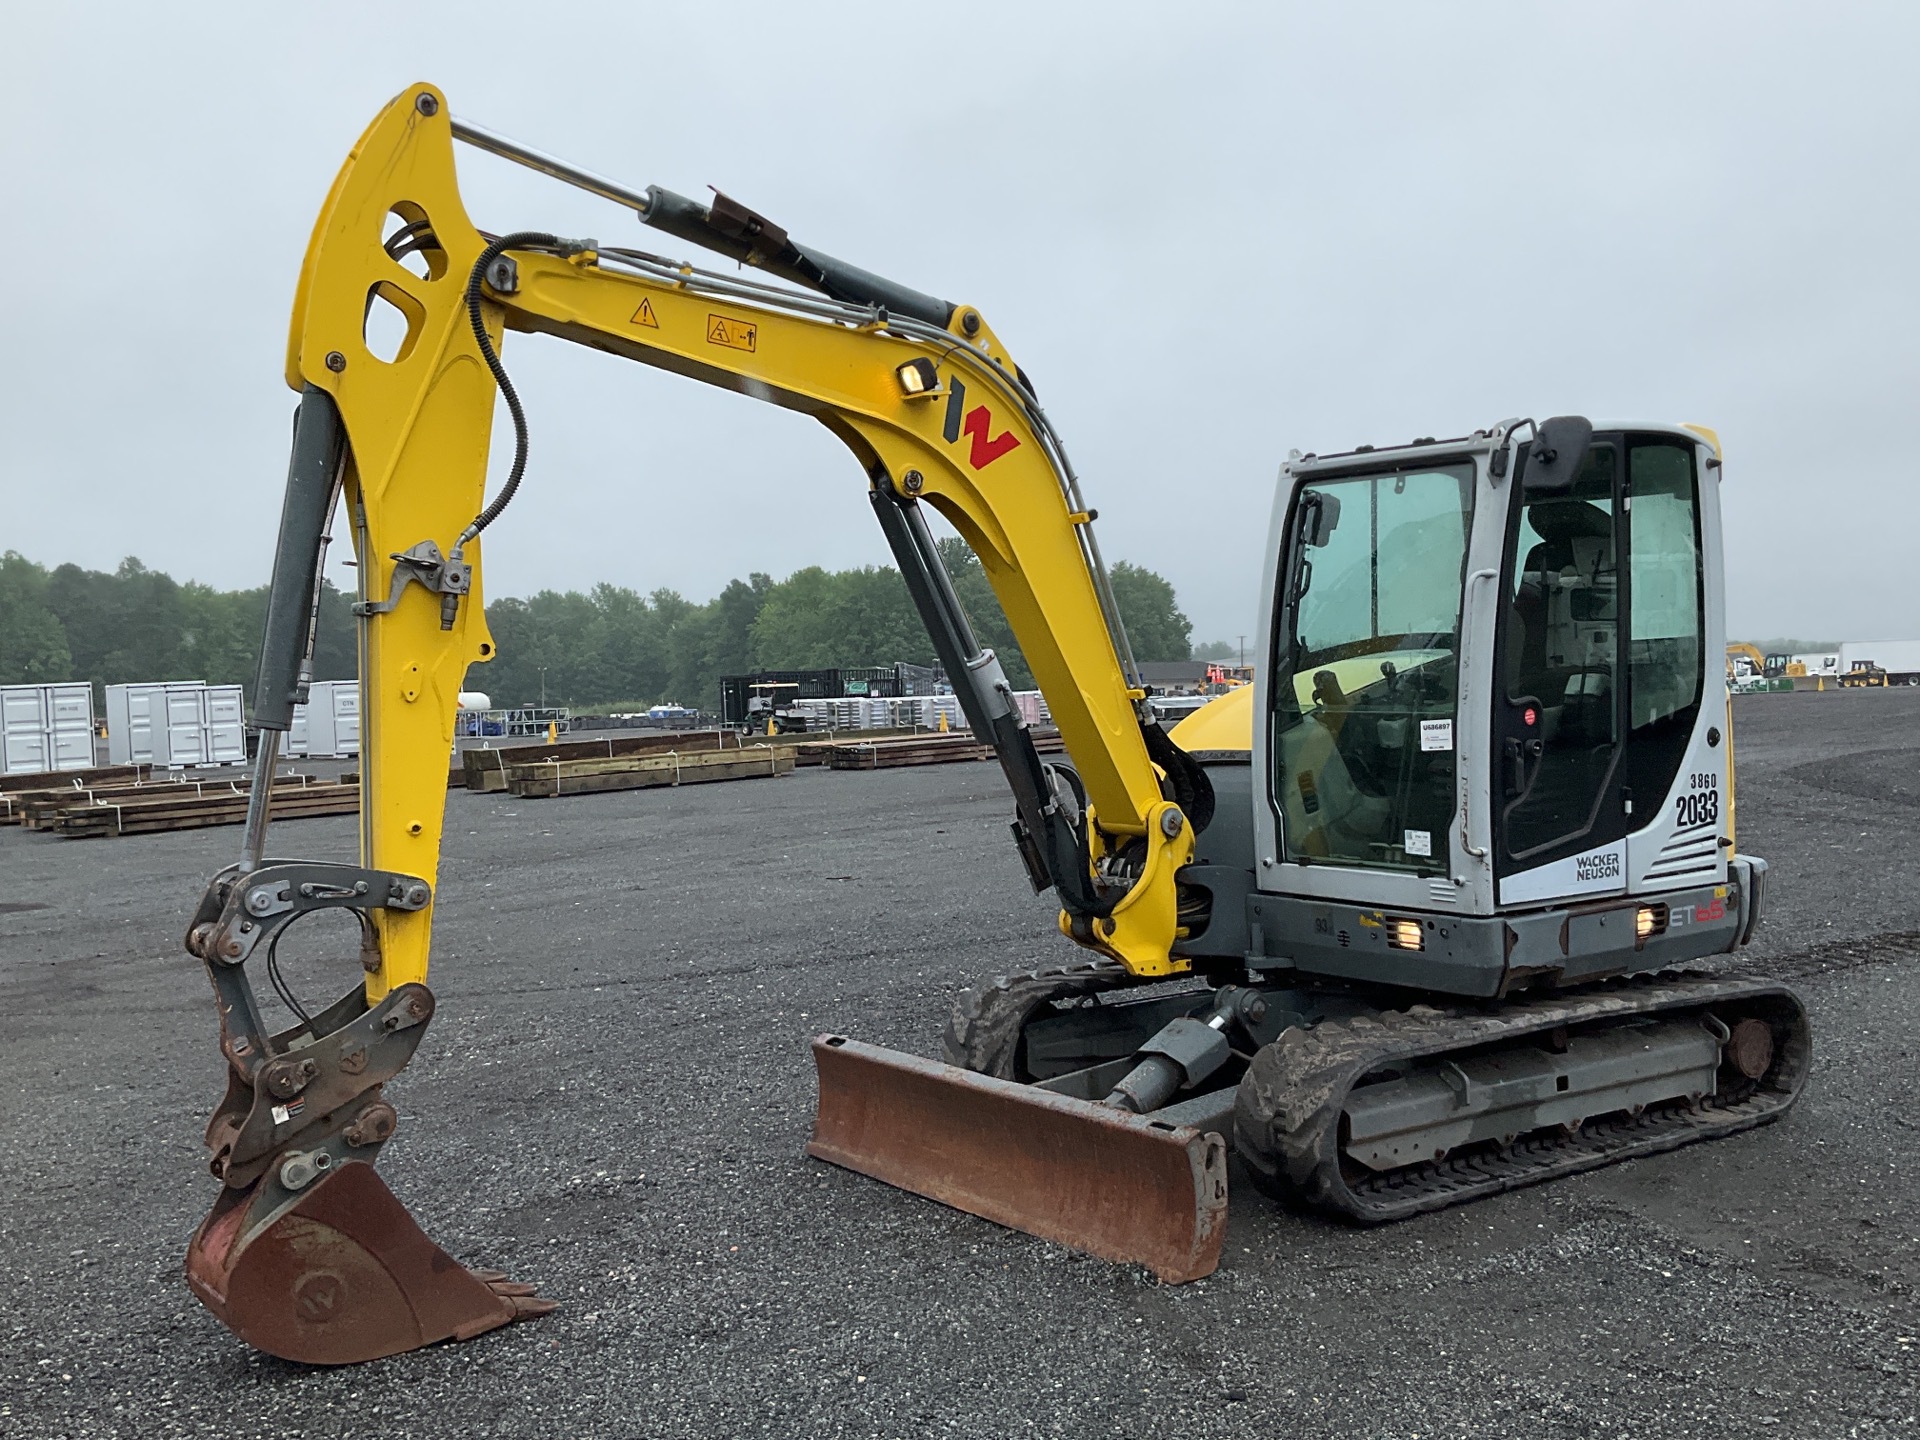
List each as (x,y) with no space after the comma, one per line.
(936,415)
(307,1254)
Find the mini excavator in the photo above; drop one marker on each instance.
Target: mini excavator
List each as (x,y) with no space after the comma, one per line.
(1425,913)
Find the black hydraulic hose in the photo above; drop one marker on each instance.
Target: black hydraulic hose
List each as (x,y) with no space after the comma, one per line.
(518,240)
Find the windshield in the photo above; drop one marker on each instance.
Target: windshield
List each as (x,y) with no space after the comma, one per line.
(1367,667)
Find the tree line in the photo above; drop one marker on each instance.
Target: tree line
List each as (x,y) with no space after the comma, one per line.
(608,646)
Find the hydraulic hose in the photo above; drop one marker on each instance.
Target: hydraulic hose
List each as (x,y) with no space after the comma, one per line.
(518,240)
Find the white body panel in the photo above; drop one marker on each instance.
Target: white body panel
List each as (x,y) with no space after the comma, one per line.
(1597,872)
(46,728)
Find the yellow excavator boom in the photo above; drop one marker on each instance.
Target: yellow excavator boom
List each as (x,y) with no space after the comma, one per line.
(936,413)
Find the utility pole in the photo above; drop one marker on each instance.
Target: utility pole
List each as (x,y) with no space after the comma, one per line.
(543,687)
(1243,652)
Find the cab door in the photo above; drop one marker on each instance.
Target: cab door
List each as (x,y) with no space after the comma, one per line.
(1599,675)
(1559,704)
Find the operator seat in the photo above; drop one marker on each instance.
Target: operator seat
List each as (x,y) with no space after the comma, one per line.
(1575,537)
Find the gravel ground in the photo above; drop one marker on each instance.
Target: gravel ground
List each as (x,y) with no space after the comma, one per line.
(614,1098)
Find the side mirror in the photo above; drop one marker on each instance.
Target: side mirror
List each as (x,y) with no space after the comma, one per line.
(1323,518)
(1558,451)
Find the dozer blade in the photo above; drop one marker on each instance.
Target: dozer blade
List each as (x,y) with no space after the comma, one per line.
(342,1275)
(1119,1186)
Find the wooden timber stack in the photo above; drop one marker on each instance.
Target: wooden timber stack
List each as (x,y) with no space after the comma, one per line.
(924,750)
(38,808)
(485,768)
(816,747)
(14,788)
(152,809)
(535,778)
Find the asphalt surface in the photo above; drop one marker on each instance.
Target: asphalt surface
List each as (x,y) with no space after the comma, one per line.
(613,1100)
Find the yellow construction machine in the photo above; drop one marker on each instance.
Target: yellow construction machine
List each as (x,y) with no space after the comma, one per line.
(1414,917)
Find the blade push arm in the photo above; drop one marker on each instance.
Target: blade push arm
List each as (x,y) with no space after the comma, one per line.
(936,415)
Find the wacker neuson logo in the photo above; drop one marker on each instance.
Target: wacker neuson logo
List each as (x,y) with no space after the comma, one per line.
(1604,866)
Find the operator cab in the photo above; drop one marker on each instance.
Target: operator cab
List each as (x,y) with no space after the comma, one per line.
(1487,690)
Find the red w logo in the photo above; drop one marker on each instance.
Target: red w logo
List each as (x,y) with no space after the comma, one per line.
(985,451)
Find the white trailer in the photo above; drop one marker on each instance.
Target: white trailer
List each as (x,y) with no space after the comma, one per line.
(45,728)
(1899,658)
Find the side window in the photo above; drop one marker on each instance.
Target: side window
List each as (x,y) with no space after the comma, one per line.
(1666,627)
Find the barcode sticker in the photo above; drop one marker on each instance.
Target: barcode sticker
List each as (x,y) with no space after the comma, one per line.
(1436,734)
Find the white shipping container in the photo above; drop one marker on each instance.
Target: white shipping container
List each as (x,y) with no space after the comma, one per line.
(137,720)
(176,723)
(329,723)
(45,727)
(224,722)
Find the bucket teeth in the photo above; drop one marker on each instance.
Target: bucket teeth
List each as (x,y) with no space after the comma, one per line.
(510,1289)
(529,1307)
(343,1275)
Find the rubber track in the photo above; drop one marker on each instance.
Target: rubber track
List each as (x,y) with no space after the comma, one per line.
(1288,1108)
(983,1033)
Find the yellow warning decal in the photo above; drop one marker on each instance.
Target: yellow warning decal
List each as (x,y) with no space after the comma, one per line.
(735,334)
(644,315)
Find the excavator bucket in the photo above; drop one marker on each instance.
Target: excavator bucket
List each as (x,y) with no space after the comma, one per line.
(342,1275)
(1119,1186)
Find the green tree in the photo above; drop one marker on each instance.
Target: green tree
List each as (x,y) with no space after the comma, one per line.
(982,607)
(33,642)
(609,645)
(1216,650)
(1156,628)
(817,618)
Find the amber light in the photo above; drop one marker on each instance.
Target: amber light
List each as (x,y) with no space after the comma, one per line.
(917,378)
(1648,921)
(1405,935)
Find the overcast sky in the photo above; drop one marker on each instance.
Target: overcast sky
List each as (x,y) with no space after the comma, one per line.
(1211,233)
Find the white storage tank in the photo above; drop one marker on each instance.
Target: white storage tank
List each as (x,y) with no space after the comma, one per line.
(329,723)
(46,727)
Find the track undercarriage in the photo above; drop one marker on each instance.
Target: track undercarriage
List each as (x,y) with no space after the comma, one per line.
(1114,1090)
